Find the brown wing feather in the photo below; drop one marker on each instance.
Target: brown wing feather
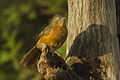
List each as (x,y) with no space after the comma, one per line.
(31,57)
(46,31)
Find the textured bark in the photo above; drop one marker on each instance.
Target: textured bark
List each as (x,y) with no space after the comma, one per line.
(92,44)
(117,2)
(53,67)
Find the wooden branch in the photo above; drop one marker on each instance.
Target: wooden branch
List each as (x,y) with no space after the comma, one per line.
(53,67)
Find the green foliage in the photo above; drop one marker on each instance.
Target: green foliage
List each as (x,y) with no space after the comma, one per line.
(62,50)
(20,23)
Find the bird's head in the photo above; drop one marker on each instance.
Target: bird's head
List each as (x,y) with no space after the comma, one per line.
(58,19)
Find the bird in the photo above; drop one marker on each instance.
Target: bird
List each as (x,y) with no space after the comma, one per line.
(54,35)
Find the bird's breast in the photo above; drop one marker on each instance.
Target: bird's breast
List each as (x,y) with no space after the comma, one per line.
(55,38)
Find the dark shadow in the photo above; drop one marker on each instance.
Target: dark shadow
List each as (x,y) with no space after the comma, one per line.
(95,41)
(90,40)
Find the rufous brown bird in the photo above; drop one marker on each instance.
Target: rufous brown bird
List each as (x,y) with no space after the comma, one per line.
(54,35)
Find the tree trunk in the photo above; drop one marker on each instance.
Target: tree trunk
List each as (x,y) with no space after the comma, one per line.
(117,2)
(92,39)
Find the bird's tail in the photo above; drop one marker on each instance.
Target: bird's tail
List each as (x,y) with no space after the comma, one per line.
(31,57)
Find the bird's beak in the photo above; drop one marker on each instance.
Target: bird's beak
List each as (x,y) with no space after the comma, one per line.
(63,18)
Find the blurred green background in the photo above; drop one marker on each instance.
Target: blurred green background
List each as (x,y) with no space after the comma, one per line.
(20,23)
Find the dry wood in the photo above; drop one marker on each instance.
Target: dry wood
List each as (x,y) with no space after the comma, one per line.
(92,38)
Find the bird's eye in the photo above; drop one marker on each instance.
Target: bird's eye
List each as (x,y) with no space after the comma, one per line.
(57,18)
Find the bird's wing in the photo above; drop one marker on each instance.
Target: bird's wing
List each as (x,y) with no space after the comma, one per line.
(46,31)
(31,57)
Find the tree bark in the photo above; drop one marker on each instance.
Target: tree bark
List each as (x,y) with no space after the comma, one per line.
(92,44)
(117,2)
